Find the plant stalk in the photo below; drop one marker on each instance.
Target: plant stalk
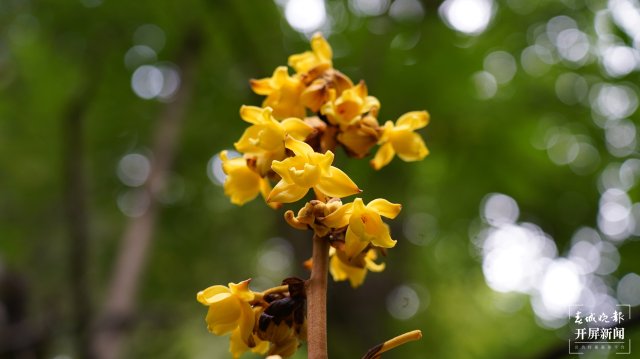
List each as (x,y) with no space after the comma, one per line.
(317,300)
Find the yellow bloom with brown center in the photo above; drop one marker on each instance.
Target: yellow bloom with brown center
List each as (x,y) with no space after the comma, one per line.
(365,224)
(317,91)
(229,309)
(306,170)
(311,215)
(283,93)
(361,137)
(402,140)
(242,183)
(348,108)
(264,140)
(318,59)
(343,269)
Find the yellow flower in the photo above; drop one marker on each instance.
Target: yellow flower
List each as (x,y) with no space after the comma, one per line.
(318,59)
(283,93)
(365,224)
(402,140)
(343,269)
(229,309)
(348,108)
(308,169)
(311,215)
(242,183)
(317,92)
(264,140)
(361,137)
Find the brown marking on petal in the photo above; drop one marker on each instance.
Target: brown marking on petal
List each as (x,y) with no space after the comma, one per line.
(373,353)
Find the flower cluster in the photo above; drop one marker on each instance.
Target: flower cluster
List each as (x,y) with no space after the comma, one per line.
(270,322)
(288,150)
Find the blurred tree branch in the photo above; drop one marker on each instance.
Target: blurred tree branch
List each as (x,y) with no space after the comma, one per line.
(76,194)
(77,219)
(119,305)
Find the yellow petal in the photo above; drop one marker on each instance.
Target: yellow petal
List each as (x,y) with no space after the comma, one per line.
(242,291)
(307,176)
(283,167)
(336,269)
(410,147)
(361,89)
(297,128)
(385,208)
(336,183)
(298,147)
(265,189)
(237,346)
(321,47)
(323,160)
(261,86)
(357,142)
(261,346)
(247,321)
(315,95)
(348,106)
(206,296)
(249,140)
(370,263)
(253,114)
(342,271)
(383,156)
(370,103)
(414,120)
(285,192)
(223,315)
(280,76)
(383,238)
(339,218)
(242,186)
(354,244)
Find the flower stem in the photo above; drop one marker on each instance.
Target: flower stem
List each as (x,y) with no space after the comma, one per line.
(317,300)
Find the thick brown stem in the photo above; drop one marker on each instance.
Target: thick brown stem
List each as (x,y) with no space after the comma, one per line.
(317,300)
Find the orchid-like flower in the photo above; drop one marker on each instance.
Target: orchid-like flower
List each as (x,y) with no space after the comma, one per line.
(402,139)
(229,309)
(365,224)
(283,93)
(348,108)
(242,183)
(306,170)
(317,60)
(343,269)
(264,140)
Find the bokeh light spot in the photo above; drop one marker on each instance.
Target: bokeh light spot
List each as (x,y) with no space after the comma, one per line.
(467,16)
(305,15)
(403,302)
